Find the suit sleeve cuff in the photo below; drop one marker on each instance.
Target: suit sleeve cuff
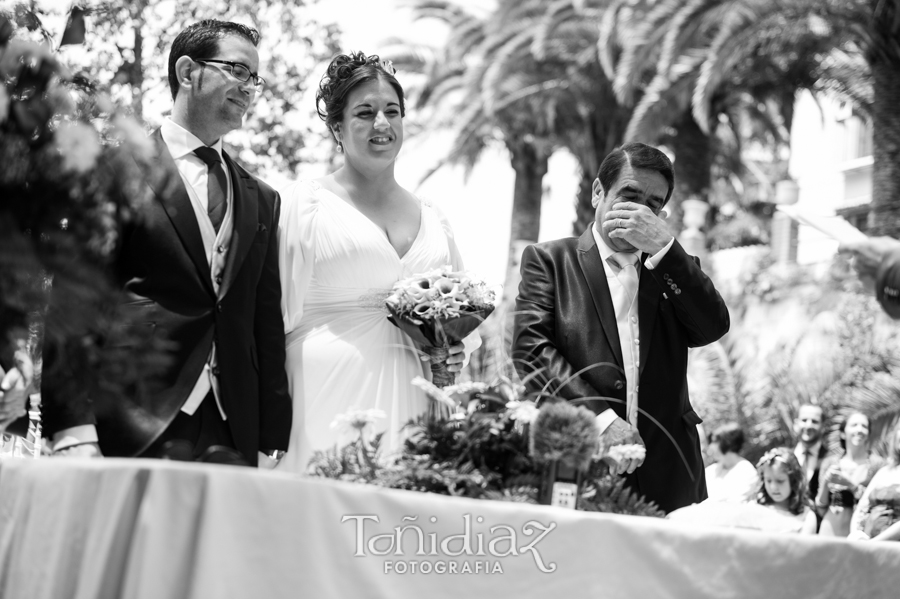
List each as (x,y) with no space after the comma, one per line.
(604,419)
(77,435)
(654,260)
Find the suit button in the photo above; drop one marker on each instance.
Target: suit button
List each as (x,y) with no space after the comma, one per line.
(221,249)
(219,306)
(619,385)
(673,286)
(678,292)
(215,371)
(219,280)
(666,276)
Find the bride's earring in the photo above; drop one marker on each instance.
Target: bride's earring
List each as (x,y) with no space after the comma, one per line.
(340,148)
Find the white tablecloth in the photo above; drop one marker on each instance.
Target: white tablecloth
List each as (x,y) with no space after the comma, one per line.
(157,530)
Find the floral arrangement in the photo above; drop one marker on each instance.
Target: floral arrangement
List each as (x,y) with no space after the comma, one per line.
(72,180)
(497,444)
(437,309)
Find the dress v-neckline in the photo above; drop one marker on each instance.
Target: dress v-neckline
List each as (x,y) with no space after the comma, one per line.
(382,234)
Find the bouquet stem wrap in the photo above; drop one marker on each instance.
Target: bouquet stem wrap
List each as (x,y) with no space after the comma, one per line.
(440,375)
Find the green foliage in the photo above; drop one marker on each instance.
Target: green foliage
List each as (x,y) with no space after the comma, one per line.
(72,181)
(845,360)
(564,433)
(482,453)
(608,494)
(127,47)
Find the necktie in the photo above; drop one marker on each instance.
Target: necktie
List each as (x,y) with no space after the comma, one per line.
(624,265)
(807,462)
(626,274)
(215,186)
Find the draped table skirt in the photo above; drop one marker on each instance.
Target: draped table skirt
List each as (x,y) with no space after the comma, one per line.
(148,529)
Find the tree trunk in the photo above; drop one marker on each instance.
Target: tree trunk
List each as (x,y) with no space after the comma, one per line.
(693,163)
(584,211)
(137,73)
(884,217)
(604,130)
(530,162)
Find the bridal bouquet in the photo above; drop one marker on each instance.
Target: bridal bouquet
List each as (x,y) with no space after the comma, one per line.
(437,309)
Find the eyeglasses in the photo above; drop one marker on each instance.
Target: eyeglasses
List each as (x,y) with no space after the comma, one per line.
(238,71)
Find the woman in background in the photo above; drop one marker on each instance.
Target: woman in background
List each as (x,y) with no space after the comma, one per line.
(731,477)
(877,515)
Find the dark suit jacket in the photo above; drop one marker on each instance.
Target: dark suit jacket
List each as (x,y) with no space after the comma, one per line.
(813,488)
(566,327)
(163,267)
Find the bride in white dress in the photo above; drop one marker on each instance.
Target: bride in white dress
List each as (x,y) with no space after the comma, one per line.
(344,241)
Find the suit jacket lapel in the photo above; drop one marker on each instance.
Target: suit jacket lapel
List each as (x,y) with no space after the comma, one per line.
(169,188)
(244,222)
(648,301)
(592,266)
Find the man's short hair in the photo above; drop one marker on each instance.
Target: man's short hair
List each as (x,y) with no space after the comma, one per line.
(637,155)
(729,437)
(201,40)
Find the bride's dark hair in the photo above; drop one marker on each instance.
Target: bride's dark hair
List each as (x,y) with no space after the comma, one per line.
(344,73)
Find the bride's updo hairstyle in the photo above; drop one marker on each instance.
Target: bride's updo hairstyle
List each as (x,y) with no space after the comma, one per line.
(345,72)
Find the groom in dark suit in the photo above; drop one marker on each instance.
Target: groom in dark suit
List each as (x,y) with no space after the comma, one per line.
(607,319)
(201,267)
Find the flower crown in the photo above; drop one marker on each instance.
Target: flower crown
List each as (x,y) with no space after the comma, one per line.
(776,455)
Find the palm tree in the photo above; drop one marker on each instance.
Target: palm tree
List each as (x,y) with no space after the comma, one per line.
(487,89)
(704,103)
(710,47)
(570,31)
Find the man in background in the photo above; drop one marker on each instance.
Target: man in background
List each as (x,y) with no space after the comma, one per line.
(810,450)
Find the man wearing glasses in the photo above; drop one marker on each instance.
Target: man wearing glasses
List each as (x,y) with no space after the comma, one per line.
(201,268)
(607,319)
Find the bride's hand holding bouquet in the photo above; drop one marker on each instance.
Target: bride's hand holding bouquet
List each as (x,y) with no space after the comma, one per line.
(437,310)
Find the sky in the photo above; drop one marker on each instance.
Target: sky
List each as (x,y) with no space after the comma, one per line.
(478,207)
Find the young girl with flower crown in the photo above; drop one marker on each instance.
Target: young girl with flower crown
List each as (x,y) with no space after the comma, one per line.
(783,488)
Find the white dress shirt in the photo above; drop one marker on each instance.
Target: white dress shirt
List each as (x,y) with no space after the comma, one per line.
(628,325)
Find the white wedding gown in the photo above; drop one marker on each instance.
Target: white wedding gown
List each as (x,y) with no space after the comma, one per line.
(337,268)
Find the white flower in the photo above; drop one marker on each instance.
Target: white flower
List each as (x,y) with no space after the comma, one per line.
(356,420)
(129,131)
(79,146)
(626,452)
(440,293)
(434,392)
(523,412)
(466,387)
